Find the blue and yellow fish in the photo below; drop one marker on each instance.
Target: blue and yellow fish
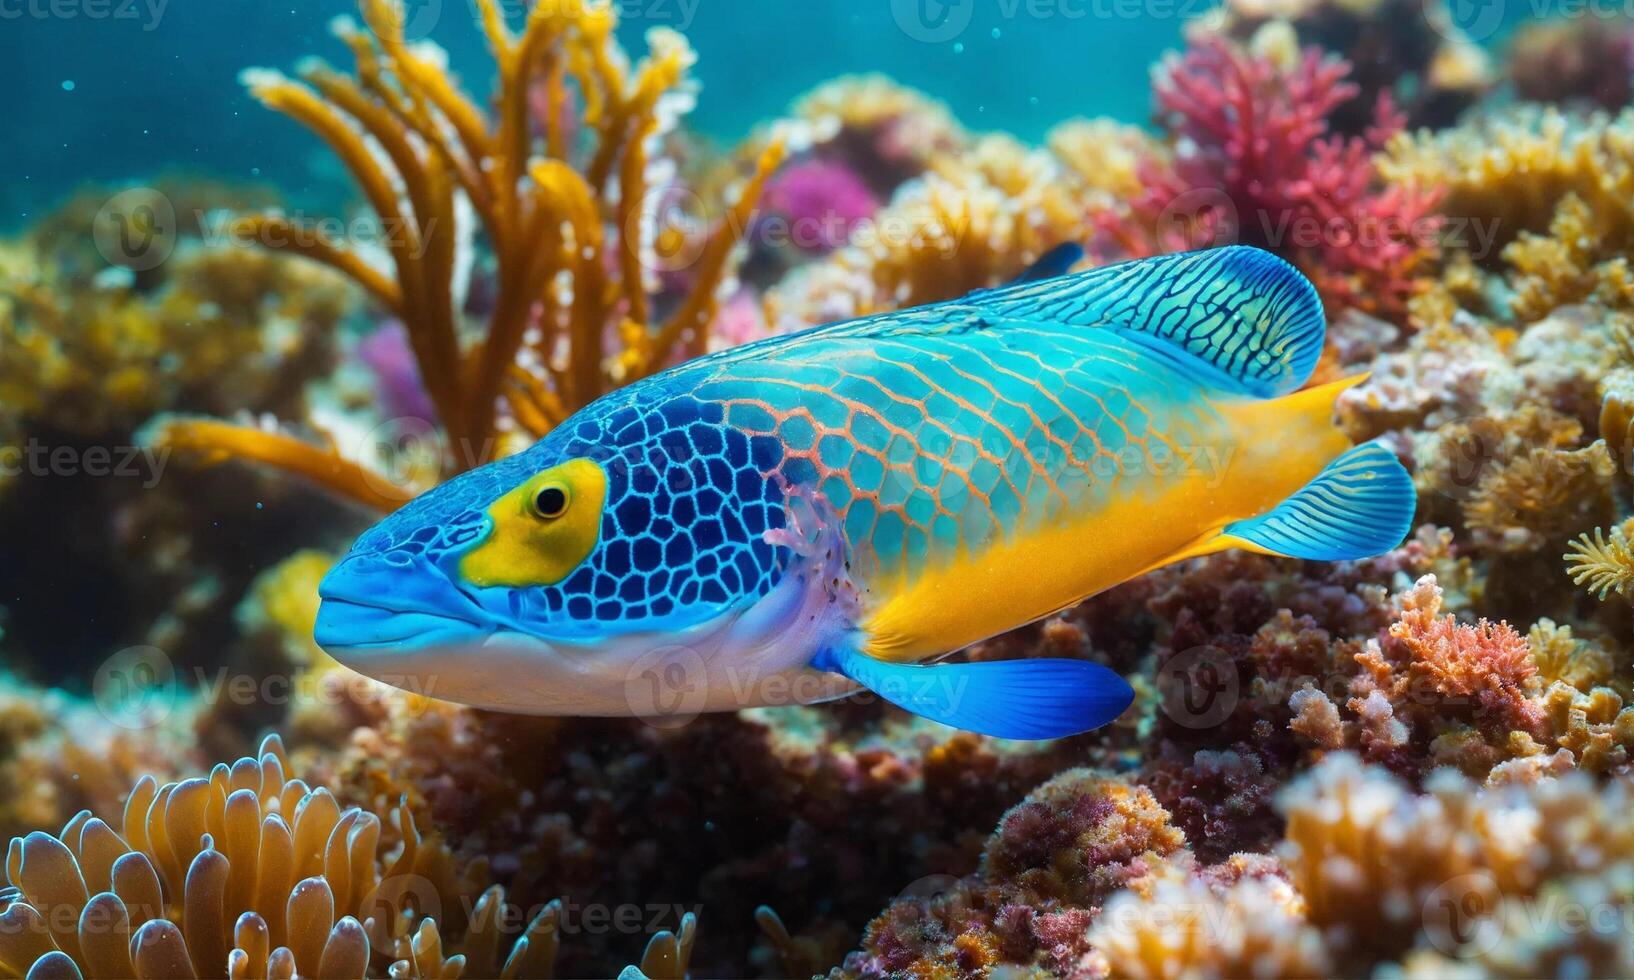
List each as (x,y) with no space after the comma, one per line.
(801,517)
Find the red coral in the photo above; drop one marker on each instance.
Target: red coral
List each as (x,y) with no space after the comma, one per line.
(1254,163)
(1489,662)
(1433,668)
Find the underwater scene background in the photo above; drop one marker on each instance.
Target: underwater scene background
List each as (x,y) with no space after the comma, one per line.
(251,300)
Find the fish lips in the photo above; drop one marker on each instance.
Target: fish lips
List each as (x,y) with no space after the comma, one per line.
(380,602)
(405,624)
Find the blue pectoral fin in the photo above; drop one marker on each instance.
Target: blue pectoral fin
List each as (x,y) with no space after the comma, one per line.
(1030,699)
(1361,505)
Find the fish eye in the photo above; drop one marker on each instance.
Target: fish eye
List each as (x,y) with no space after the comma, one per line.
(550,501)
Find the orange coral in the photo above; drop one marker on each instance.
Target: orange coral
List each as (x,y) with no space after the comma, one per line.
(1487,666)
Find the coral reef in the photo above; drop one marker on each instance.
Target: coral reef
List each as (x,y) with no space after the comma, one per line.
(251,872)
(92,342)
(1254,162)
(882,130)
(1542,191)
(1414,53)
(720,815)
(972,221)
(1573,61)
(1410,765)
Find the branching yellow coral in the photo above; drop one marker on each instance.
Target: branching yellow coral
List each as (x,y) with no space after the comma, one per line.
(571,247)
(1594,725)
(1565,658)
(1555,192)
(1603,563)
(1540,496)
(1516,167)
(1104,155)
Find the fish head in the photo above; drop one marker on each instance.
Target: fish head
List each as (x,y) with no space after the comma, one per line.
(540,582)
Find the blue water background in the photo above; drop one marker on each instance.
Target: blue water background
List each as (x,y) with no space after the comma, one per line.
(105,91)
(122,90)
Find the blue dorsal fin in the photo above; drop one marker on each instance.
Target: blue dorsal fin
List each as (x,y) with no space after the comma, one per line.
(1056,262)
(1253,318)
(1029,699)
(1361,505)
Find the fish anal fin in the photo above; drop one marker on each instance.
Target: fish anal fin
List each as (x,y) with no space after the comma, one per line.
(1021,699)
(1361,505)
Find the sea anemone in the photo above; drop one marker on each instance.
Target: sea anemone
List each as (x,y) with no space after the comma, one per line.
(246,872)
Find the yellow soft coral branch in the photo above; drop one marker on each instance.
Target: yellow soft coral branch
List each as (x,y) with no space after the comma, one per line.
(212,442)
(1602,564)
(311,243)
(416,144)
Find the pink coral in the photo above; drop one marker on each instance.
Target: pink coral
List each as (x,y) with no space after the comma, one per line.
(738,321)
(1461,660)
(1254,163)
(387,355)
(821,200)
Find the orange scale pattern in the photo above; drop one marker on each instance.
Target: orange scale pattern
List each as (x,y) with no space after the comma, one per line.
(947,438)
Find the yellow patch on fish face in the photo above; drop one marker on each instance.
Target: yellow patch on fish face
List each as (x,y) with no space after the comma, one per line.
(542,530)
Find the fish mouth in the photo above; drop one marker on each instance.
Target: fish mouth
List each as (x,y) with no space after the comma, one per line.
(367,603)
(405,624)
(347,624)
